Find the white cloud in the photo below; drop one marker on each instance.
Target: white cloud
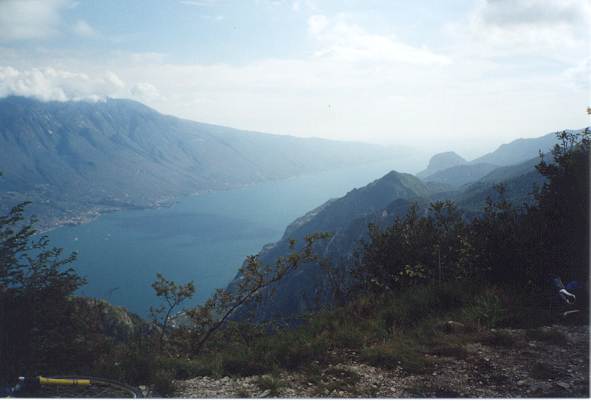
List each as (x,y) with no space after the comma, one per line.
(531,26)
(347,42)
(579,76)
(30,19)
(355,84)
(83,28)
(54,84)
(144,91)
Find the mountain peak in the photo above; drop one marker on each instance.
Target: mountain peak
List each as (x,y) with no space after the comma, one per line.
(442,161)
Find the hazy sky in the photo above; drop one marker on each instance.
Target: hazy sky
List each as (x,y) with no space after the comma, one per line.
(465,75)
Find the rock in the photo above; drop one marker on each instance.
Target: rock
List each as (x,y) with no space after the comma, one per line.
(264,394)
(452,326)
(563,385)
(521,383)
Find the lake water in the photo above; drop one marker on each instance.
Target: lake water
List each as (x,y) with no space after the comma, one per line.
(203,238)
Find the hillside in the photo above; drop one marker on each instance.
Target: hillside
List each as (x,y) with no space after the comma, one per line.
(346,218)
(76,159)
(380,203)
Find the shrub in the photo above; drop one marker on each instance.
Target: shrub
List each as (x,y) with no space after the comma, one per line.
(487,310)
(271,383)
(183,369)
(243,363)
(163,382)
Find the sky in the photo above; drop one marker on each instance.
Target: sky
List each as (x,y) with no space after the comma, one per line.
(463,75)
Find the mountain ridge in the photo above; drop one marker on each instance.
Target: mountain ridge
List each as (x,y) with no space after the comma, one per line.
(77,158)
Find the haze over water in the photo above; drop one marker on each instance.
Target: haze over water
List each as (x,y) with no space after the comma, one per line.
(203,238)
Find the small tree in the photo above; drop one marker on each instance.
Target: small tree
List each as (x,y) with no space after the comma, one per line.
(255,280)
(173,296)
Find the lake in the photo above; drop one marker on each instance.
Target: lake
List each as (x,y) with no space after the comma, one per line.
(203,238)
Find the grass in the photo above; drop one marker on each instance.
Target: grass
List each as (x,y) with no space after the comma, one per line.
(271,383)
(395,330)
(397,352)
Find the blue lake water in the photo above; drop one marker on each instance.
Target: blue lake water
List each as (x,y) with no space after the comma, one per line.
(203,238)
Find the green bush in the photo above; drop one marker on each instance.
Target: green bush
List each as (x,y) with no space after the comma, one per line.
(162,381)
(408,308)
(243,363)
(487,309)
(183,369)
(271,383)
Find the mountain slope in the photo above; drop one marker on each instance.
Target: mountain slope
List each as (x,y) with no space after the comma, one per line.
(379,203)
(459,175)
(70,157)
(346,218)
(518,150)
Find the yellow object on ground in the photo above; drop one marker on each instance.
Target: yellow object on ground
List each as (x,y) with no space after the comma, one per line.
(65,382)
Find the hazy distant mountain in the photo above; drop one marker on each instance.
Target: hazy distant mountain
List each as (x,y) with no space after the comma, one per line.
(441,161)
(512,153)
(76,159)
(459,175)
(518,150)
(519,181)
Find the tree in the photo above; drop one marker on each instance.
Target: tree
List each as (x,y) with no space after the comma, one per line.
(448,226)
(36,285)
(399,256)
(559,222)
(496,240)
(255,280)
(173,296)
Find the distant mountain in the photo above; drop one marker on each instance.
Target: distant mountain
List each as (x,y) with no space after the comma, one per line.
(519,181)
(347,219)
(77,159)
(512,153)
(459,175)
(518,150)
(441,161)
(508,172)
